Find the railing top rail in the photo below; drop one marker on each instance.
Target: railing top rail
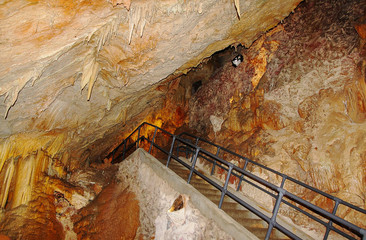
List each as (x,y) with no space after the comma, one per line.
(305,203)
(340,201)
(166,132)
(233,153)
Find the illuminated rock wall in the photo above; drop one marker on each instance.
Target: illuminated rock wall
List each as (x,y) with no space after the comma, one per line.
(297,103)
(76,75)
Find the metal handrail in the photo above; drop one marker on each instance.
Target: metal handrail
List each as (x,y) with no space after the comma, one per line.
(243,172)
(277,173)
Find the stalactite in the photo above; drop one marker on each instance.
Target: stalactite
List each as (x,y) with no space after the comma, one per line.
(23,182)
(29,171)
(105,33)
(138,16)
(109,105)
(6,184)
(91,67)
(11,90)
(23,162)
(134,17)
(90,72)
(237,7)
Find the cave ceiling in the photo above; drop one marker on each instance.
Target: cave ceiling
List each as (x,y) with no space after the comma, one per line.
(72,72)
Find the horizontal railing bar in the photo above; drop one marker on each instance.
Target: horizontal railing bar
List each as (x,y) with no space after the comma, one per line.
(145,123)
(237,155)
(278,226)
(283,175)
(275,188)
(269,193)
(233,153)
(286,231)
(304,212)
(323,213)
(185,142)
(161,149)
(238,176)
(351,206)
(249,207)
(128,148)
(341,233)
(313,208)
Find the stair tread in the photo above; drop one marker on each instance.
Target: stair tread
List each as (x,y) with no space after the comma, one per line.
(243,216)
(261,233)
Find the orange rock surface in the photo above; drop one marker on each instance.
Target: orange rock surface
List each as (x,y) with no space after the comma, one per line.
(295,104)
(113,214)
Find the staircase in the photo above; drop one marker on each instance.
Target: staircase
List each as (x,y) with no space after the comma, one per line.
(243,216)
(265,224)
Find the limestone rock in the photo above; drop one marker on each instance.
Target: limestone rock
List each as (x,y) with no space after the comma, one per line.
(114,214)
(216,123)
(298,106)
(76,75)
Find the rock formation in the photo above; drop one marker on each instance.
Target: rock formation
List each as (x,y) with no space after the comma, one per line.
(296,103)
(77,76)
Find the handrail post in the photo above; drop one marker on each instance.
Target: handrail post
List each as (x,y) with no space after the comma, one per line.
(152,142)
(197,139)
(124,149)
(138,137)
(272,223)
(214,164)
(245,175)
(223,191)
(284,177)
(330,223)
(114,151)
(193,164)
(242,175)
(170,151)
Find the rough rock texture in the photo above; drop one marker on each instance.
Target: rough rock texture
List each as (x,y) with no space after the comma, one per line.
(75,76)
(297,104)
(156,197)
(52,203)
(28,222)
(113,214)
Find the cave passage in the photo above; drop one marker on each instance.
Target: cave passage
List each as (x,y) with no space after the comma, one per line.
(284,87)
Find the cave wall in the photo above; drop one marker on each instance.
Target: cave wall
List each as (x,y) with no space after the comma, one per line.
(296,104)
(78,75)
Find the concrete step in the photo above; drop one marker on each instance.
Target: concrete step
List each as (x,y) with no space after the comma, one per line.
(243,216)
(201,183)
(213,197)
(261,233)
(182,174)
(252,223)
(208,191)
(226,205)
